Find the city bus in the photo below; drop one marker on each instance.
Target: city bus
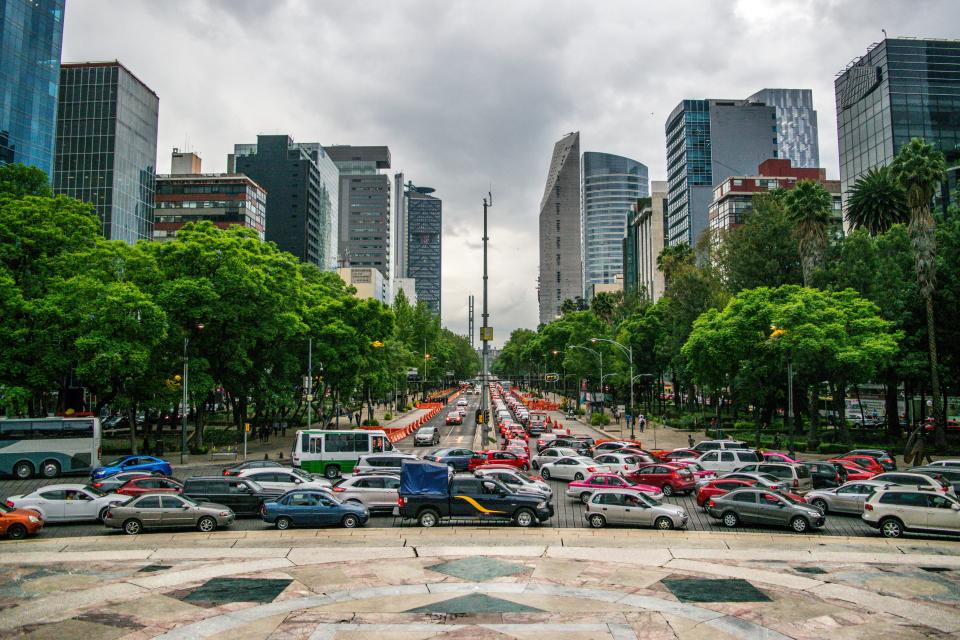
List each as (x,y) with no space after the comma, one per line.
(48,447)
(334,452)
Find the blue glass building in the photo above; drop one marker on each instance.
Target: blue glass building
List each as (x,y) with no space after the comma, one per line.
(31,34)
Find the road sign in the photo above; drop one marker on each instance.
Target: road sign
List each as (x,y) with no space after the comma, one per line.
(552,377)
(486,334)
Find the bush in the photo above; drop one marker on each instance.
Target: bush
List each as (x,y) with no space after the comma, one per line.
(221,437)
(599,420)
(743,425)
(579,411)
(388,416)
(371,422)
(832,447)
(688,423)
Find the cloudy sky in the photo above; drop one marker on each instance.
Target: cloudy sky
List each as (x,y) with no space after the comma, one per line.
(472,94)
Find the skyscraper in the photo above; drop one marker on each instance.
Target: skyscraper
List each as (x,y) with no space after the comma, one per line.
(796,124)
(31,33)
(302,186)
(364,215)
(643,243)
(424,235)
(561,267)
(707,141)
(106,146)
(902,88)
(610,187)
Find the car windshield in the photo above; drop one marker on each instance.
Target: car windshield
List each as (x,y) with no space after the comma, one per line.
(300,472)
(769,478)
(254,485)
(5,509)
(116,463)
(94,491)
(789,499)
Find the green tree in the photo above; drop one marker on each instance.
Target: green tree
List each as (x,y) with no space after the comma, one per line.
(18,180)
(810,207)
(876,202)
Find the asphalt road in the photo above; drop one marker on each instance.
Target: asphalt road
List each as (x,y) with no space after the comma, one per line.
(568,512)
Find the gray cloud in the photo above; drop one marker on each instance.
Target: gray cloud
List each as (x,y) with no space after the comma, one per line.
(469,94)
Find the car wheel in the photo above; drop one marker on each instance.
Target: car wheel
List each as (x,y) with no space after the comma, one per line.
(16,531)
(536,465)
(578,476)
(597,521)
(524,518)
(891,528)
(132,527)
(206,524)
(283,523)
(350,521)
(545,473)
(585,497)
(821,505)
(332,471)
(23,470)
(50,469)
(103,514)
(799,524)
(730,519)
(667,490)
(663,523)
(428,518)
(525,467)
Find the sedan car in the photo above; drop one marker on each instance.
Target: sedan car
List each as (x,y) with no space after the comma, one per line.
(918,480)
(67,502)
(153,511)
(758,506)
(681,454)
(615,506)
(882,456)
(17,524)
(150,484)
(374,491)
(459,459)
(312,509)
(571,468)
(847,498)
(949,474)
(508,458)
(133,463)
(620,462)
(867,462)
(826,475)
(854,471)
(719,487)
(114,482)
(551,454)
(517,480)
(250,464)
(429,436)
(583,489)
(286,478)
(945,463)
(454,417)
(764,480)
(776,456)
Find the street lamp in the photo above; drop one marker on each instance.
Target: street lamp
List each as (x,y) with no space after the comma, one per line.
(599,355)
(186,382)
(629,352)
(776,332)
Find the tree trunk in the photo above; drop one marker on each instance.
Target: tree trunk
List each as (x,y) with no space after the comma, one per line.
(839,393)
(892,408)
(940,431)
(813,434)
(132,419)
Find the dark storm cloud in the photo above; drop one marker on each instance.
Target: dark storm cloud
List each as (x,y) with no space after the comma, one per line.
(469,94)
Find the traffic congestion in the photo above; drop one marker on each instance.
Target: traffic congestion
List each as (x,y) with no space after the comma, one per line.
(539,473)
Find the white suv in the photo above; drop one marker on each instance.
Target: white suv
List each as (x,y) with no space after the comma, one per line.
(727,459)
(895,510)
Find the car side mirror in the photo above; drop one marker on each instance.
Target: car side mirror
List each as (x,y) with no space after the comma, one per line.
(185,507)
(297,481)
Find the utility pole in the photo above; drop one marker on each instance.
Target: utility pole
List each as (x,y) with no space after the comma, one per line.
(485,332)
(309,379)
(470,327)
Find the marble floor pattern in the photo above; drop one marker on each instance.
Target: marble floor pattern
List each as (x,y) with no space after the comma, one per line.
(643,589)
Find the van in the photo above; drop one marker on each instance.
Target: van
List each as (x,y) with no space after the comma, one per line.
(727,460)
(713,445)
(242,495)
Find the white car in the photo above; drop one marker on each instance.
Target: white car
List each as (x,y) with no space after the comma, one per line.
(551,454)
(572,468)
(68,502)
(285,479)
(619,462)
(917,480)
(382,462)
(945,463)
(727,460)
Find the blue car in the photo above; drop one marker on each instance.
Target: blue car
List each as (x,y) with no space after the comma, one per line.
(313,509)
(459,459)
(146,464)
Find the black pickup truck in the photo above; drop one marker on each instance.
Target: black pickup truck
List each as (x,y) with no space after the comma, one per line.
(428,494)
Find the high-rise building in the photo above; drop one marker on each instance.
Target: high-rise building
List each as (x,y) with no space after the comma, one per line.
(187,195)
(902,88)
(561,266)
(368,282)
(364,215)
(31,34)
(302,185)
(424,235)
(796,124)
(106,146)
(399,227)
(643,244)
(707,141)
(610,187)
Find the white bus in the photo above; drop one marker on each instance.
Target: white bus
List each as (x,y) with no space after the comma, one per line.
(334,452)
(48,447)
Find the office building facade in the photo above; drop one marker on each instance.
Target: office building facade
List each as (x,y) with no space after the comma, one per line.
(610,186)
(302,186)
(707,141)
(368,282)
(644,242)
(364,213)
(561,266)
(797,135)
(424,244)
(31,37)
(902,88)
(188,195)
(106,146)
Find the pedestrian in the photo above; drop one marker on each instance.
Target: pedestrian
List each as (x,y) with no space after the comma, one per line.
(266,434)
(690,440)
(357,418)
(283,428)
(776,441)
(643,422)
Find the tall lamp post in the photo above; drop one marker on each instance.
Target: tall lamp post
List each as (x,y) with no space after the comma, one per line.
(629,352)
(186,392)
(776,332)
(599,355)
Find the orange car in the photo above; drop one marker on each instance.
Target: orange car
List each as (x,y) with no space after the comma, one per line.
(17,524)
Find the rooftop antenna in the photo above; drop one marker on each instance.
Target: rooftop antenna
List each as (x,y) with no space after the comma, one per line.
(884,33)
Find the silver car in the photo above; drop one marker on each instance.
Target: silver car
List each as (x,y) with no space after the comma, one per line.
(153,511)
(519,481)
(391,461)
(758,506)
(374,491)
(427,436)
(847,498)
(615,506)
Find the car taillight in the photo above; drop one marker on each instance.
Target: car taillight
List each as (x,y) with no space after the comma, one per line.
(591,469)
(226,472)
(711,503)
(338,489)
(9,503)
(796,482)
(868,506)
(97,485)
(401,501)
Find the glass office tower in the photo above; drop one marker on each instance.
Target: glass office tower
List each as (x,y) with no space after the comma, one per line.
(902,88)
(424,241)
(31,33)
(106,148)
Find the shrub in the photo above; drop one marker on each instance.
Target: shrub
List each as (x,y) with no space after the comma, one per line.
(388,416)
(832,447)
(579,411)
(371,422)
(220,437)
(688,423)
(743,425)
(599,420)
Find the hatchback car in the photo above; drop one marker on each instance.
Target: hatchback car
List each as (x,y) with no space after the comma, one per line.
(429,436)
(552,454)
(847,498)
(133,463)
(797,475)
(867,462)
(583,489)
(508,458)
(896,510)
(312,509)
(719,487)
(152,511)
(620,462)
(453,457)
(67,502)
(377,492)
(758,506)
(948,474)
(763,480)
(615,506)
(150,484)
(945,463)
(882,456)
(918,480)
(250,464)
(854,471)
(668,478)
(17,524)
(680,454)
(571,468)
(454,417)
(611,445)
(826,475)
(243,495)
(776,456)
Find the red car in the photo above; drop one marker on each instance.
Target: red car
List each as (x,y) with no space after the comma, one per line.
(868,463)
(719,487)
(776,456)
(854,471)
(454,417)
(138,486)
(583,489)
(516,442)
(668,477)
(680,454)
(700,475)
(509,458)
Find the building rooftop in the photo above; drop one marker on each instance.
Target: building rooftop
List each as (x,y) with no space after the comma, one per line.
(107,63)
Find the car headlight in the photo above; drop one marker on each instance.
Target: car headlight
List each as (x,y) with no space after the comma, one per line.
(224,514)
(542,505)
(33,519)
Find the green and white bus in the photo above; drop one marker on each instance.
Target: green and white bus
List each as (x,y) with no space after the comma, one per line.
(48,447)
(334,452)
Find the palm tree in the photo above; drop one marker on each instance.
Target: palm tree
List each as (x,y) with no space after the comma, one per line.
(810,208)
(876,202)
(919,169)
